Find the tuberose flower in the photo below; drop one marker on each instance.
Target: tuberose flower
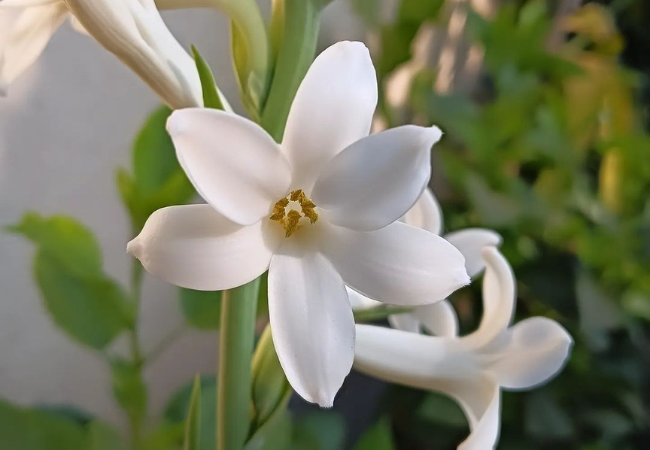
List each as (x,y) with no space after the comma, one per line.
(471,369)
(318,211)
(133,30)
(426,214)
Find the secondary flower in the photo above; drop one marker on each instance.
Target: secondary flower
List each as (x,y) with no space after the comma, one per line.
(131,29)
(318,211)
(471,369)
(426,214)
(25,29)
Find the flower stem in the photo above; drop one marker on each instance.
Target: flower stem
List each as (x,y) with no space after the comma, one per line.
(234,377)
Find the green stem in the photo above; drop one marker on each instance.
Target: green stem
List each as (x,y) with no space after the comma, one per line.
(237,338)
(295,54)
(137,356)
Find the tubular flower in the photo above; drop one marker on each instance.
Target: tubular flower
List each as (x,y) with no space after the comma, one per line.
(26,27)
(426,214)
(471,369)
(134,31)
(319,211)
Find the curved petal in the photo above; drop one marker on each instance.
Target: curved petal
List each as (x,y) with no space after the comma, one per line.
(359,301)
(534,351)
(376,180)
(405,322)
(499,296)
(399,264)
(481,402)
(439,319)
(471,242)
(312,324)
(234,164)
(24,34)
(412,359)
(332,109)
(193,246)
(426,213)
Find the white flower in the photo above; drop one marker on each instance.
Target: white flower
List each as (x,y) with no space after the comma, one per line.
(318,211)
(471,369)
(134,31)
(426,214)
(131,29)
(25,29)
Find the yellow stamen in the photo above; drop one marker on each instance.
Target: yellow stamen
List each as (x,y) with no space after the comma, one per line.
(291,220)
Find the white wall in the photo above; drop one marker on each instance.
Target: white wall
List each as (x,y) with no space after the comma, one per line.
(67,124)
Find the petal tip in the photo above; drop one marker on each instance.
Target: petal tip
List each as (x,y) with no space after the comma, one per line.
(134,247)
(435,134)
(176,123)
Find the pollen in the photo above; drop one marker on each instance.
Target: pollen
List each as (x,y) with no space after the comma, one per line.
(290,220)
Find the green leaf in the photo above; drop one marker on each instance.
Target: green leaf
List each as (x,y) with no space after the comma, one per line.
(193,421)
(103,437)
(23,429)
(211,98)
(92,311)
(379,437)
(320,430)
(63,238)
(179,406)
(275,434)
(129,388)
(81,299)
(154,157)
(158,180)
(202,309)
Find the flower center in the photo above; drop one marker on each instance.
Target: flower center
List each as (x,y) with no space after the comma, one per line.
(289,217)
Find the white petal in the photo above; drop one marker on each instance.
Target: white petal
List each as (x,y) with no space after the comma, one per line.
(439,319)
(195,247)
(426,213)
(499,296)
(481,402)
(535,350)
(405,322)
(412,359)
(24,34)
(332,109)
(360,301)
(234,164)
(471,242)
(312,324)
(376,180)
(399,264)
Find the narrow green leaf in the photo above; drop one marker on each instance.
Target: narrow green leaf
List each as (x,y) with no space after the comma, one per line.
(211,97)
(378,313)
(201,309)
(379,437)
(193,421)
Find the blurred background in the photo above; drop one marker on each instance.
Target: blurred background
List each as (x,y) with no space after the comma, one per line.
(544,105)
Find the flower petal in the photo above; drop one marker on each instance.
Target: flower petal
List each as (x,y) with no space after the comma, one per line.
(399,264)
(439,319)
(499,296)
(426,213)
(481,402)
(471,242)
(534,351)
(359,301)
(312,324)
(332,109)
(195,247)
(376,180)
(411,359)
(234,164)
(24,34)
